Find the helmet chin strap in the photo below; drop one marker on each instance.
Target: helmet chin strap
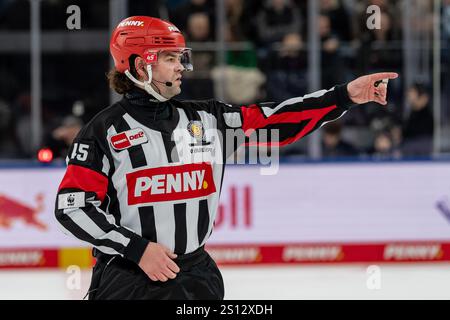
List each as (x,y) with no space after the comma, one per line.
(146,85)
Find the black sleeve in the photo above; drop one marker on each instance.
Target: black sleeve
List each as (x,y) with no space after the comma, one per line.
(80,195)
(297,117)
(285,122)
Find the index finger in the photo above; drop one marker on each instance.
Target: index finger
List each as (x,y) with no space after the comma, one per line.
(384,75)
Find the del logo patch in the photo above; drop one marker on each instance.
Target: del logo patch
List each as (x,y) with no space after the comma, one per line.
(128,139)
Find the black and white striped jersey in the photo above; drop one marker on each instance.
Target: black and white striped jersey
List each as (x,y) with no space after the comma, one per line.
(140,172)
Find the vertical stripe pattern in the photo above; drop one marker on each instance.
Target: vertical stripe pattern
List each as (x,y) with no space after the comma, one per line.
(147,217)
(203,220)
(180,228)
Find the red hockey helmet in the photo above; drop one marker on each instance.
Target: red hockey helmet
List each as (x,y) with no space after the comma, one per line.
(146,37)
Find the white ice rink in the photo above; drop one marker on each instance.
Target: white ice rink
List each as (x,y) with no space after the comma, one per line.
(396,281)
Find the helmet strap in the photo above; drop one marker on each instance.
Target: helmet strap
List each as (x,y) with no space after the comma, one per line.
(146,85)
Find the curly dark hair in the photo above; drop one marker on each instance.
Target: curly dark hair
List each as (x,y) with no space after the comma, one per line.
(118,81)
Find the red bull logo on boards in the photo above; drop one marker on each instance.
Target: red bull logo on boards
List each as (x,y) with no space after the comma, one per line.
(12,210)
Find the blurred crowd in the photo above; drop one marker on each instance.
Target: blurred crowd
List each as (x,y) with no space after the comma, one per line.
(266,60)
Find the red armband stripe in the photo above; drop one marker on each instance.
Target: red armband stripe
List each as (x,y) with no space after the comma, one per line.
(254,119)
(85,179)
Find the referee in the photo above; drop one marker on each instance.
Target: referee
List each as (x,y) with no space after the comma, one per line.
(145,200)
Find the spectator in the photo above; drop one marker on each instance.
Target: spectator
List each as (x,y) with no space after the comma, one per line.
(199,31)
(237,25)
(244,57)
(287,66)
(339,18)
(239,72)
(199,85)
(377,49)
(277,18)
(332,143)
(331,64)
(418,128)
(198,27)
(180,15)
(387,7)
(383,146)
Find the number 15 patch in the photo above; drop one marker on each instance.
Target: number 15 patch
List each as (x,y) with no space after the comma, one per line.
(81,153)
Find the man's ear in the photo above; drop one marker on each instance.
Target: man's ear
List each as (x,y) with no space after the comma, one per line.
(140,67)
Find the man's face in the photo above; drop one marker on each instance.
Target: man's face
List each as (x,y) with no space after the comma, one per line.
(168,69)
